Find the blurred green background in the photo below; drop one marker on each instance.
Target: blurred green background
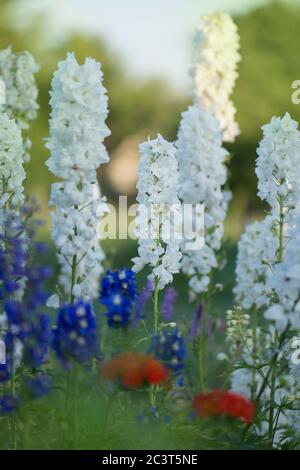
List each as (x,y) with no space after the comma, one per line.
(140,107)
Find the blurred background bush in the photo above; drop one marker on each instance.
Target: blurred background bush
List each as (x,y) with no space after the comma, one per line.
(144,106)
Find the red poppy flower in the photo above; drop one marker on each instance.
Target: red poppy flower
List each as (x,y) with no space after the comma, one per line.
(220,402)
(135,370)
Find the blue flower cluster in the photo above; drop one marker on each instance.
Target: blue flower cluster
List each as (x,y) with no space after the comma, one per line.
(5,371)
(25,321)
(75,335)
(13,254)
(169,348)
(8,404)
(118,294)
(39,385)
(25,328)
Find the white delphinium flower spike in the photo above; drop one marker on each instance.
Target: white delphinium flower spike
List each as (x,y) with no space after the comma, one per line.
(18,73)
(202,175)
(77,130)
(257,251)
(214,69)
(278,163)
(12,174)
(263,244)
(284,282)
(157,195)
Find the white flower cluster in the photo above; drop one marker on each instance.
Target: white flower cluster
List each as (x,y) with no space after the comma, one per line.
(12,173)
(285,283)
(257,250)
(17,72)
(245,379)
(77,130)
(237,326)
(2,93)
(158,231)
(268,264)
(214,70)
(278,163)
(278,171)
(202,174)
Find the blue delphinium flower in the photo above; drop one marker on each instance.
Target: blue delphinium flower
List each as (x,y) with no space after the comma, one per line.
(75,335)
(37,346)
(8,404)
(13,253)
(118,293)
(25,322)
(5,373)
(169,348)
(39,385)
(25,328)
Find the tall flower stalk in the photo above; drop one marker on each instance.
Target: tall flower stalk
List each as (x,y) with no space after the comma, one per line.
(12,173)
(157,230)
(264,245)
(17,71)
(202,175)
(77,131)
(214,69)
(202,159)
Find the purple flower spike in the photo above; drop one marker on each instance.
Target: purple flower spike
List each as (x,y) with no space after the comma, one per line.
(143,298)
(209,325)
(196,323)
(168,303)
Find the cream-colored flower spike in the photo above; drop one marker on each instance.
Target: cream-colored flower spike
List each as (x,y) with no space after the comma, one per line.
(214,69)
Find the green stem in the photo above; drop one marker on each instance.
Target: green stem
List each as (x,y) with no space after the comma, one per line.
(272,398)
(75,409)
(13,422)
(273,373)
(266,380)
(201,356)
(153,389)
(155,305)
(281,223)
(68,374)
(73,277)
(254,353)
(66,411)
(202,352)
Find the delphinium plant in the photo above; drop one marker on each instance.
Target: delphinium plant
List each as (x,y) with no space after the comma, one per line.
(77,131)
(203,159)
(264,252)
(17,73)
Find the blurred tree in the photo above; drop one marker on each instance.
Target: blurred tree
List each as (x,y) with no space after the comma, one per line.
(270,63)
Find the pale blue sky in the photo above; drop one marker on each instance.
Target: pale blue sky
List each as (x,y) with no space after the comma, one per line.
(153,37)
